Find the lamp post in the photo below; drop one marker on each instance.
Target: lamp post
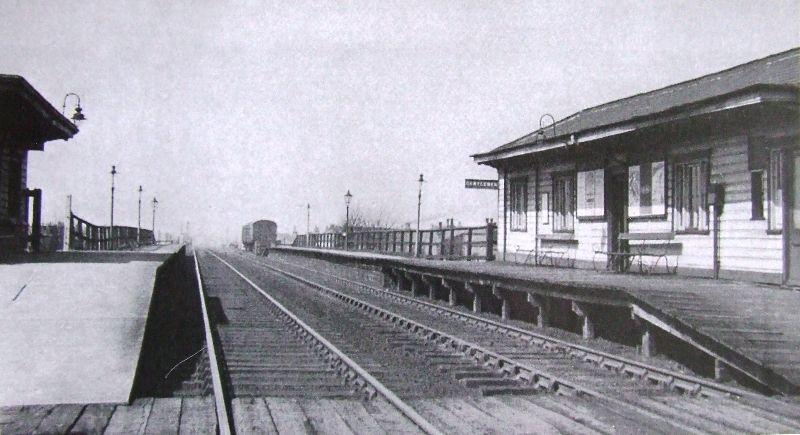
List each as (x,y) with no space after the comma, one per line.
(347,198)
(113,173)
(419,208)
(308,221)
(155,204)
(78,115)
(139,222)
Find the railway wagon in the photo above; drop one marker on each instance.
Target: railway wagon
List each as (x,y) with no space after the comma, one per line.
(258,236)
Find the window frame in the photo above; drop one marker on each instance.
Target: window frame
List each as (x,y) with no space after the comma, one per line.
(703,165)
(775,186)
(667,175)
(520,224)
(555,221)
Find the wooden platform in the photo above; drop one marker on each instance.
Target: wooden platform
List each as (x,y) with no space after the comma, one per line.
(506,414)
(755,327)
(270,415)
(193,415)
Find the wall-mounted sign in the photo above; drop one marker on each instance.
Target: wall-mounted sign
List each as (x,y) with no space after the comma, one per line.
(591,201)
(471,183)
(646,189)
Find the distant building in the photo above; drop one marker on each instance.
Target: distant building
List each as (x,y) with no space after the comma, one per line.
(27,121)
(698,175)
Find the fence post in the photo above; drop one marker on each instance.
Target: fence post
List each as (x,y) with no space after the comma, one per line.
(469,243)
(452,241)
(490,240)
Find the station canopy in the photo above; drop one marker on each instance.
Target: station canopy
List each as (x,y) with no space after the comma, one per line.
(27,120)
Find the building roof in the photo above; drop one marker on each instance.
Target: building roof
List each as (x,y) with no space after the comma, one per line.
(781,69)
(27,119)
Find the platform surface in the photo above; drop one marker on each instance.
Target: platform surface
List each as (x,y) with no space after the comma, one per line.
(73,328)
(759,322)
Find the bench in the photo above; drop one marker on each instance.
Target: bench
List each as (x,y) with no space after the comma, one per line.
(556,257)
(654,245)
(528,253)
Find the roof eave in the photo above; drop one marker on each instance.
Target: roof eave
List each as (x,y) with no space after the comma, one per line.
(757,94)
(63,127)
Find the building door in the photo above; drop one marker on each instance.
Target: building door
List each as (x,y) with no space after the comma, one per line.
(792,217)
(616,206)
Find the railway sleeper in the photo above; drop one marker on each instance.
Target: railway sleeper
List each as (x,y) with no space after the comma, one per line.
(634,371)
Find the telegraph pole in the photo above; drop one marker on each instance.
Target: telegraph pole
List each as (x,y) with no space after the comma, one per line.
(419,207)
(113,173)
(155,204)
(139,224)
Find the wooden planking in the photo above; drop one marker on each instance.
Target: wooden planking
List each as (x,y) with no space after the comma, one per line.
(94,419)
(7,415)
(483,422)
(324,418)
(198,415)
(164,416)
(519,419)
(390,418)
(356,416)
(23,419)
(442,418)
(288,415)
(59,419)
(130,419)
(565,416)
(252,416)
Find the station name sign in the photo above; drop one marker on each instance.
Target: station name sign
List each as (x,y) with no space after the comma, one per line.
(471,183)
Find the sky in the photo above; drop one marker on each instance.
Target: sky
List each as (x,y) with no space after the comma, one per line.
(229,112)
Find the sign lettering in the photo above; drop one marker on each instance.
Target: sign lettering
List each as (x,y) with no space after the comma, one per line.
(471,183)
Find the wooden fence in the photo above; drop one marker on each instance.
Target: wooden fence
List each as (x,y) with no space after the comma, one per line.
(450,243)
(85,236)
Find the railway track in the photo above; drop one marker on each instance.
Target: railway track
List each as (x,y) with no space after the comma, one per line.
(440,383)
(261,349)
(554,365)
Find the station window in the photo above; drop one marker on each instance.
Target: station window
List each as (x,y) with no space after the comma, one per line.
(691,196)
(564,202)
(775,209)
(757,195)
(518,203)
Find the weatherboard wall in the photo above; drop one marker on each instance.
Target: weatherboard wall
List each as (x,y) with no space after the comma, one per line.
(746,248)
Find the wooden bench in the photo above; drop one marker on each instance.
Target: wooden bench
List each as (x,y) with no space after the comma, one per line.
(529,253)
(556,257)
(655,245)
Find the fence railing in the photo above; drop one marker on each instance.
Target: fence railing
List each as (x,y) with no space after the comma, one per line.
(450,243)
(85,236)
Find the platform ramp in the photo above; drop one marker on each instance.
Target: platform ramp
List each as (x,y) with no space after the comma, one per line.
(73,329)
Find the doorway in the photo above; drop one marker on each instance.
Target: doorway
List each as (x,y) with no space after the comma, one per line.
(617,219)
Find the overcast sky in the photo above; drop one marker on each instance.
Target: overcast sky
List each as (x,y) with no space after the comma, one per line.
(230,112)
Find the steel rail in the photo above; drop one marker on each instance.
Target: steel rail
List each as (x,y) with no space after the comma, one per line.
(668,378)
(220,398)
(381,389)
(506,365)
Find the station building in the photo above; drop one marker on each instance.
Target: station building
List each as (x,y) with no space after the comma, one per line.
(701,176)
(27,121)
